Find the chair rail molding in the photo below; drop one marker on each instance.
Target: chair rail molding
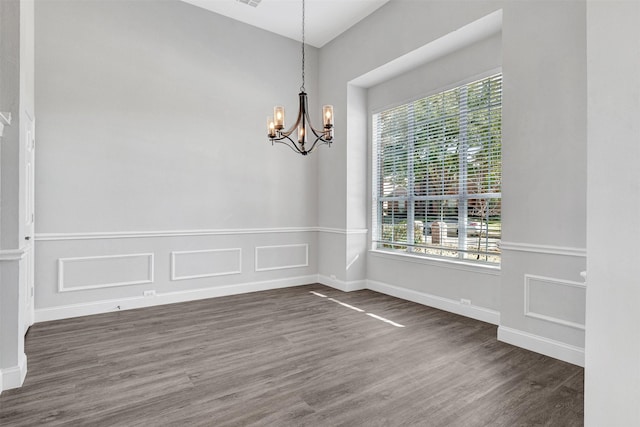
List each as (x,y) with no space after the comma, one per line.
(5,120)
(351,231)
(12,254)
(543,249)
(136,234)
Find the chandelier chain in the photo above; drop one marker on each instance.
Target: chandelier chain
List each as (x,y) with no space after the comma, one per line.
(302,87)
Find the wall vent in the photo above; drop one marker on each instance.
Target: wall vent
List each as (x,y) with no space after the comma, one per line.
(253,3)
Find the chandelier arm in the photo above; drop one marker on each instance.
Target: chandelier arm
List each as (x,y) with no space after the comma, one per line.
(317,132)
(289,143)
(302,110)
(285,140)
(320,133)
(288,133)
(292,146)
(315,144)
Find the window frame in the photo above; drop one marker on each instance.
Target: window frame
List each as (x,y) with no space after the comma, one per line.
(410,199)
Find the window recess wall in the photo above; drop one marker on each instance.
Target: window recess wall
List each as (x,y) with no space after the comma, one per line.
(449,283)
(541,50)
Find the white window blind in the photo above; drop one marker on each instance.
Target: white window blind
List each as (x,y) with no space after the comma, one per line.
(438,166)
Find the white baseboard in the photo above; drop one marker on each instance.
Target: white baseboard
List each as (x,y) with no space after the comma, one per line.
(446,304)
(14,376)
(341,285)
(106,306)
(542,345)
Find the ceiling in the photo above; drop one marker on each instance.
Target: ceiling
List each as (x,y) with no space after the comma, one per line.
(325,19)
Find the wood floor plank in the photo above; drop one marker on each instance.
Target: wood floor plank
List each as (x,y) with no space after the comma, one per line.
(287,357)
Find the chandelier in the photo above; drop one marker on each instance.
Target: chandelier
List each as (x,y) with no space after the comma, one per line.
(301,127)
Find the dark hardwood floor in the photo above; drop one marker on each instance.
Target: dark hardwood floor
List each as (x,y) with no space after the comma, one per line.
(287,357)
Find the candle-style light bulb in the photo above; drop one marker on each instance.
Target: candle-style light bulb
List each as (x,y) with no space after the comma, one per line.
(271,127)
(278,115)
(302,137)
(327,116)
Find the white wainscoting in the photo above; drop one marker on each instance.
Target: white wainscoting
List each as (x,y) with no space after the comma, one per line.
(564,301)
(550,318)
(118,304)
(280,257)
(97,272)
(104,271)
(187,265)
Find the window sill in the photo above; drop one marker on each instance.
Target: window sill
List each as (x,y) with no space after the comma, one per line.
(493,270)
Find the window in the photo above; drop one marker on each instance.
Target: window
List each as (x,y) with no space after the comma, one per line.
(437,166)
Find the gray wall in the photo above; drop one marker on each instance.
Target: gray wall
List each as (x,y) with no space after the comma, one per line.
(544,169)
(16,99)
(544,174)
(152,140)
(128,99)
(133,94)
(612,380)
